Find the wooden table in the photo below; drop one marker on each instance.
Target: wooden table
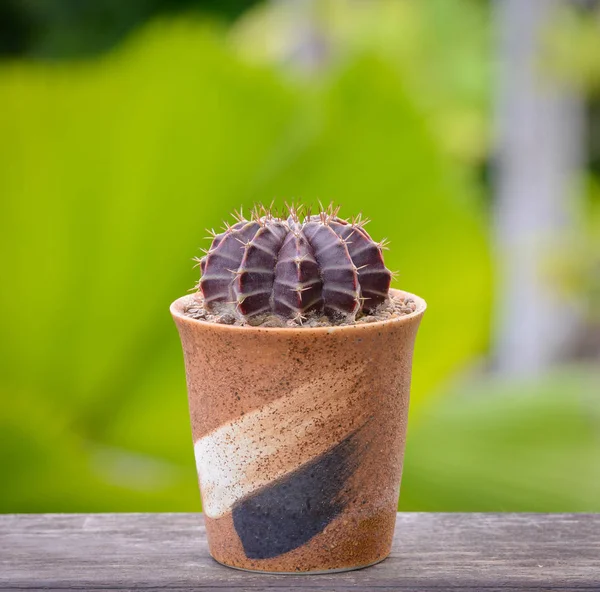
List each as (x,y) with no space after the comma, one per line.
(482,552)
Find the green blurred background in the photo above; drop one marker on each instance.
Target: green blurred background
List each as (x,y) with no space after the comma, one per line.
(126,128)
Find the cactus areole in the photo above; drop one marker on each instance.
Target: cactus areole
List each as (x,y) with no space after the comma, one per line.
(293,266)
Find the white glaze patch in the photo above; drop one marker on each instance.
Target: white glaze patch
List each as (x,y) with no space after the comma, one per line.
(243,455)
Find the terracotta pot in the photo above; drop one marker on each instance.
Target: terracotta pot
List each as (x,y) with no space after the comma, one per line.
(299,438)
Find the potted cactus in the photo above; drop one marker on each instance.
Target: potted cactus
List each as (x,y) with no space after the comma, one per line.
(298,361)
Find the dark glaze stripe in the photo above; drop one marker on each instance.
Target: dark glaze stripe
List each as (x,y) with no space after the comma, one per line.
(290,511)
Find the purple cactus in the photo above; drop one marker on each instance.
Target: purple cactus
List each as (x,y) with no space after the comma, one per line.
(294,266)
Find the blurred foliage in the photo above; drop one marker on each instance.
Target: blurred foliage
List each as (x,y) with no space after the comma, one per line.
(591,275)
(572,54)
(495,446)
(440,50)
(109,173)
(58,29)
(572,47)
(110,170)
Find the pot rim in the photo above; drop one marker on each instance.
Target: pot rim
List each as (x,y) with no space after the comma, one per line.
(176,309)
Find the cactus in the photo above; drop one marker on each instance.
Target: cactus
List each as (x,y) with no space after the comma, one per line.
(295,265)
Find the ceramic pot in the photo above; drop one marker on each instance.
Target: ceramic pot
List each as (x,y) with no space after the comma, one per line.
(299,438)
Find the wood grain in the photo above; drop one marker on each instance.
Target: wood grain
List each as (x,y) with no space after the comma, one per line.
(431,552)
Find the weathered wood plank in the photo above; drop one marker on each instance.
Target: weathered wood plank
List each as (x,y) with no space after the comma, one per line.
(431,552)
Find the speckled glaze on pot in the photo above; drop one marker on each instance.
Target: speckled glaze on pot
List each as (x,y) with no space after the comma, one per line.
(299,438)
